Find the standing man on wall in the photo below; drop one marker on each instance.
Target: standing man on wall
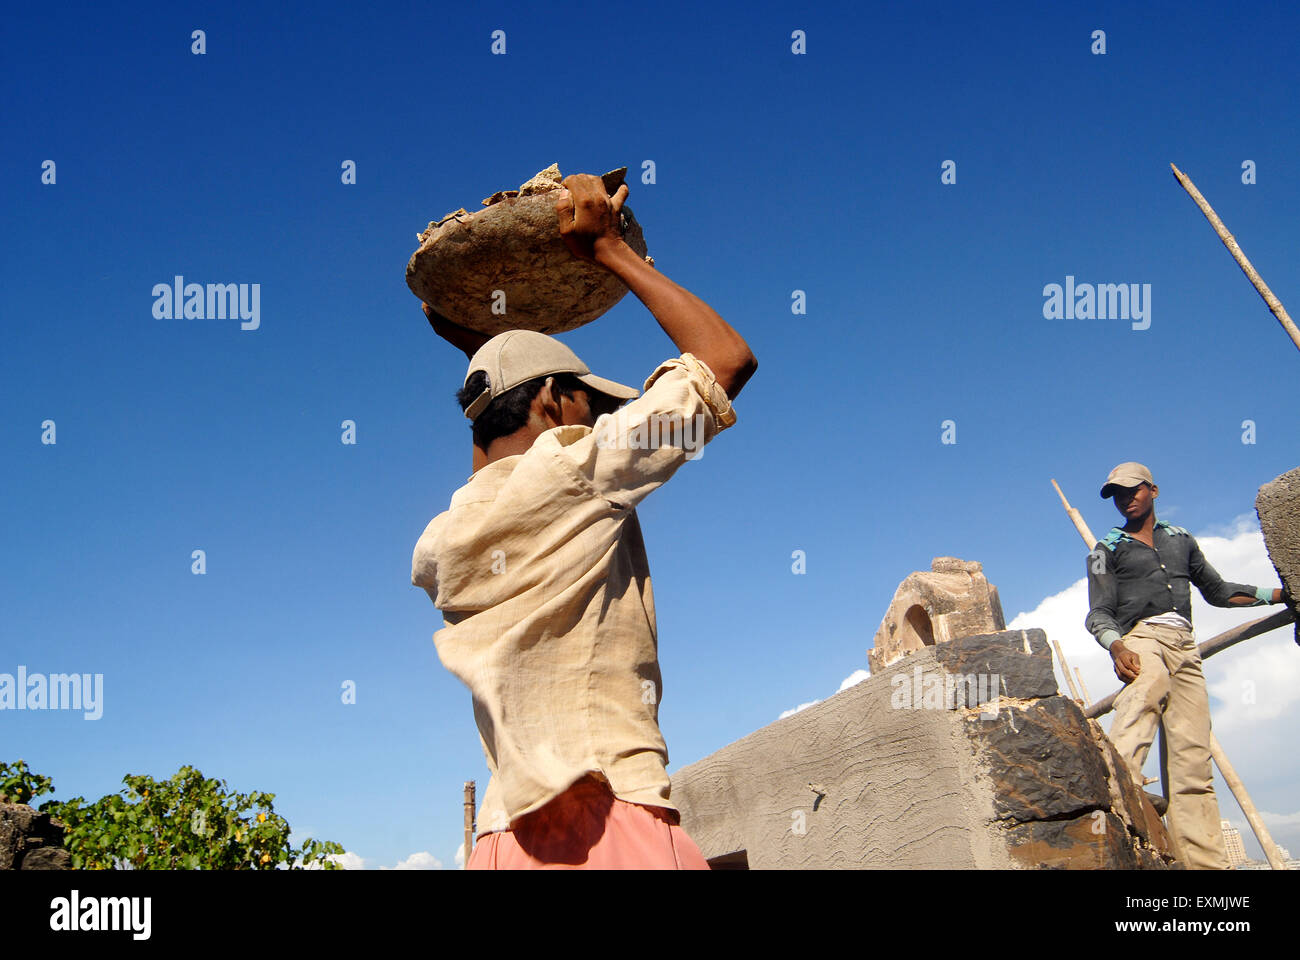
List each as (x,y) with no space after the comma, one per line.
(1139,594)
(540,571)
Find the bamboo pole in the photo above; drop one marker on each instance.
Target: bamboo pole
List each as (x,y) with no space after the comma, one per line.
(1065,669)
(1216,751)
(1230,242)
(1077,517)
(1084,687)
(469,819)
(1091,541)
(1252,815)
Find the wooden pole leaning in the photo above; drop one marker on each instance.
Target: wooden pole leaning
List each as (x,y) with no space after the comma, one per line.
(1087,697)
(1274,304)
(1077,518)
(1065,669)
(1238,789)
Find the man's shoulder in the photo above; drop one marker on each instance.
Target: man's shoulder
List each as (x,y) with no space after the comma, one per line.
(550,441)
(1114,538)
(486,482)
(1117,535)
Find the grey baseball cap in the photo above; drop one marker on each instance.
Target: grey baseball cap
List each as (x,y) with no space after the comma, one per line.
(1128,474)
(517,356)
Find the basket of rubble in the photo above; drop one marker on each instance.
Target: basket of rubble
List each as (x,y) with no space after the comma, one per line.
(504,267)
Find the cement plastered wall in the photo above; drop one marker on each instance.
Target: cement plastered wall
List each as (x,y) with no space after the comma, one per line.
(902,788)
(1278,506)
(882,776)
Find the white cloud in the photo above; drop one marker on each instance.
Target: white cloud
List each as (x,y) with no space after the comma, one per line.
(854,678)
(416,861)
(802,706)
(423,860)
(460,856)
(1257,685)
(348,860)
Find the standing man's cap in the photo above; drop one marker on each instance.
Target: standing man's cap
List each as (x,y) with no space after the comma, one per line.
(517,356)
(1129,474)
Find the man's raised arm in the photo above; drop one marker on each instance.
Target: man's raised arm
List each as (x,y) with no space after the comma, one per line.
(589,224)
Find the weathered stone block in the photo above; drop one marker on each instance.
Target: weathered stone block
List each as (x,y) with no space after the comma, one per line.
(1126,798)
(1020,659)
(1043,761)
(1083,843)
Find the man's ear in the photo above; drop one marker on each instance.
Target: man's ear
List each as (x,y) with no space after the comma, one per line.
(549,398)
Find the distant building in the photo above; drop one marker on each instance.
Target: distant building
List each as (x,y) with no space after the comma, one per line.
(1232,840)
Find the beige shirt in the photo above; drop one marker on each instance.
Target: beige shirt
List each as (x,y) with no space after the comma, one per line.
(540,572)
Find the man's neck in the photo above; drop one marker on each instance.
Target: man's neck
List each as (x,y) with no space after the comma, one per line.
(1141,528)
(518,442)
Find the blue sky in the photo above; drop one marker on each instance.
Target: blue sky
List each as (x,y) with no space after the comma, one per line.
(775,172)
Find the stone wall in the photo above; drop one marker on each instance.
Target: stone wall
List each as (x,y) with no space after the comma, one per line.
(30,840)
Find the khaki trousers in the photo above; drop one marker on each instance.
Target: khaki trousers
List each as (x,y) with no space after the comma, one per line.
(1170,690)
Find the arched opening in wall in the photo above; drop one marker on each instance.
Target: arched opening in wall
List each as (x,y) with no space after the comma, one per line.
(916,629)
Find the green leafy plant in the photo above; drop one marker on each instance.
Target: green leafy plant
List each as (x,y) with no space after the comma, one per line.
(19,785)
(186,823)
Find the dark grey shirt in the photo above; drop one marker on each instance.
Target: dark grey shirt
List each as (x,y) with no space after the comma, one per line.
(1129,581)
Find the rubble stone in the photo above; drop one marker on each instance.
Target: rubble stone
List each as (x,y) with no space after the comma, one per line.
(30,840)
(504,267)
